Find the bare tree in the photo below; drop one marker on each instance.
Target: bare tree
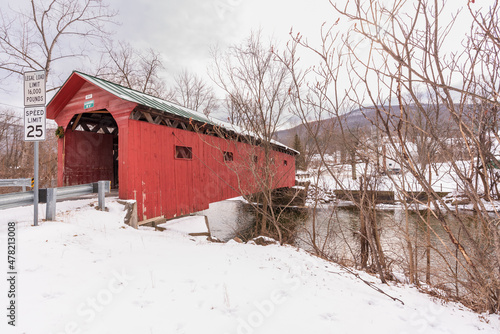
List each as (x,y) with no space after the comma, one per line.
(134,69)
(231,107)
(48,32)
(397,57)
(257,86)
(192,92)
(321,106)
(406,50)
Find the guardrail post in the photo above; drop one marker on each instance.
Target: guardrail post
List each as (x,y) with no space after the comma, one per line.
(103,187)
(50,210)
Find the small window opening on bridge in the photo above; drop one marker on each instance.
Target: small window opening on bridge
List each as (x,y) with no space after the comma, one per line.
(285,163)
(228,156)
(183,152)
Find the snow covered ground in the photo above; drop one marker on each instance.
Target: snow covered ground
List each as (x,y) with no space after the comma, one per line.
(87,272)
(444,180)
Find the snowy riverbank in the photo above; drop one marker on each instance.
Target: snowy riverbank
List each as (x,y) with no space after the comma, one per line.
(90,273)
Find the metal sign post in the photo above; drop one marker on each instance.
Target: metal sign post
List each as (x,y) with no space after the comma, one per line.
(35,188)
(35,122)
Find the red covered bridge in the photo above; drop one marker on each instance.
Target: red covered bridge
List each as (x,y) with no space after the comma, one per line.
(171,160)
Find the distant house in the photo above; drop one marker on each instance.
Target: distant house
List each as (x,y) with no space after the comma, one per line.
(170,159)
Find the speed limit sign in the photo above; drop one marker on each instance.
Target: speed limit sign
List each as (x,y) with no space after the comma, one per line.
(34,105)
(34,123)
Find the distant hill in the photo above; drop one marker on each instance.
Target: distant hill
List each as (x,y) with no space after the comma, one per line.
(354,119)
(359,118)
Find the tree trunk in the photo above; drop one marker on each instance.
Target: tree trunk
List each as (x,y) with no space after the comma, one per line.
(428,234)
(364,246)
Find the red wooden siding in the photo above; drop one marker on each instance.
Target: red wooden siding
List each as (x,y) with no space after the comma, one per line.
(164,185)
(148,170)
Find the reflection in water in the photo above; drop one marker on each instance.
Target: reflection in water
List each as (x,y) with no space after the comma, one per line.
(404,241)
(337,232)
(338,238)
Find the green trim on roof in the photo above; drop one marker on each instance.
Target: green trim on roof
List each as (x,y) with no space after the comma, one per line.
(140,98)
(145,99)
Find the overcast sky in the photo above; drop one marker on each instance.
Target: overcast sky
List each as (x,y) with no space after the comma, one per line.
(185,31)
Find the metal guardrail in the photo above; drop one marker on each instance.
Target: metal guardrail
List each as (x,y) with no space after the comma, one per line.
(16,199)
(26,182)
(47,195)
(15,182)
(74,191)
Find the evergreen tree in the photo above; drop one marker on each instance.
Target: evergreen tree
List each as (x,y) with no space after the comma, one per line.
(300,162)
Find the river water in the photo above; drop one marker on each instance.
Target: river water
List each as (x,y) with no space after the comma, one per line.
(337,234)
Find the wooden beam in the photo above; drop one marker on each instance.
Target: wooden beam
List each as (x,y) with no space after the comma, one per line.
(105,129)
(84,127)
(97,112)
(154,221)
(199,234)
(149,118)
(75,124)
(135,115)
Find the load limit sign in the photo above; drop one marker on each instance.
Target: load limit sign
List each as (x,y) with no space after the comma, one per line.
(34,103)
